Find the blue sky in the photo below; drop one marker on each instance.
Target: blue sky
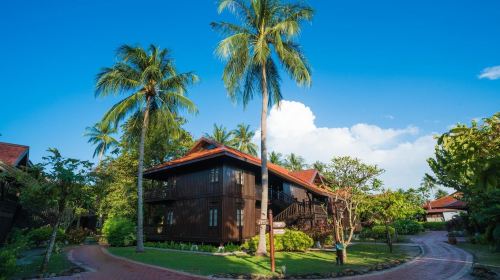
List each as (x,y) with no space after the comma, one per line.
(391,64)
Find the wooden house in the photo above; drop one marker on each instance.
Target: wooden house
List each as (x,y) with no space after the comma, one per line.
(213,195)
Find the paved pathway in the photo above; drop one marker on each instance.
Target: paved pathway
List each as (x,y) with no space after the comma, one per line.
(440,260)
(106,267)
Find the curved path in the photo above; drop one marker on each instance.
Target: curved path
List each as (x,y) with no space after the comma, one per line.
(438,261)
(100,265)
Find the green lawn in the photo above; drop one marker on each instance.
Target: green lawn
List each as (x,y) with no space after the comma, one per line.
(296,263)
(57,264)
(483,253)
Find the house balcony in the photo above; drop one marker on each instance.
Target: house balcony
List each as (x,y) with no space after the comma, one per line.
(158,194)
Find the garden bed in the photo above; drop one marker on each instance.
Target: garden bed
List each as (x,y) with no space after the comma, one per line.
(362,258)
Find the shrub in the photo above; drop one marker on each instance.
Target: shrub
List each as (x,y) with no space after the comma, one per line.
(291,241)
(405,227)
(40,235)
(7,262)
(377,232)
(434,225)
(77,235)
(119,231)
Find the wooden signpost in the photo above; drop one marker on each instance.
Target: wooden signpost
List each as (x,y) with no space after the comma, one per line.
(277,228)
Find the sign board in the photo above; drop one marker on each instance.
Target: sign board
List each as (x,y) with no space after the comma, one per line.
(279,231)
(279,225)
(262,222)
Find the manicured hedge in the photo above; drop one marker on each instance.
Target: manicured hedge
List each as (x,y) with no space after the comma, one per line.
(434,225)
(405,227)
(192,246)
(377,232)
(290,241)
(119,231)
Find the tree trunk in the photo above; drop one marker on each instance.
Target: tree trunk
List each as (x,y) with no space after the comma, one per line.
(261,248)
(389,241)
(140,215)
(52,242)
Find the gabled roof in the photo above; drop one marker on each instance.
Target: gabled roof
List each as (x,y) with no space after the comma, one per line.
(12,154)
(449,201)
(307,175)
(206,148)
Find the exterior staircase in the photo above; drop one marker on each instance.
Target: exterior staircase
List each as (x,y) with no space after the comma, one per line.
(304,214)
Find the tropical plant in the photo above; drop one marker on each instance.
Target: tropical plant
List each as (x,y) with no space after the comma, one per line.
(295,162)
(276,158)
(221,135)
(119,231)
(152,83)
(265,25)
(440,193)
(100,136)
(242,139)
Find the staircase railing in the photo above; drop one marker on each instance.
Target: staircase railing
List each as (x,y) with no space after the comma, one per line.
(280,195)
(305,209)
(291,212)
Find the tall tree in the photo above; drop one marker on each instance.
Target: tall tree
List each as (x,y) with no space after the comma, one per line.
(221,135)
(100,136)
(151,82)
(265,26)
(242,139)
(351,180)
(295,162)
(440,193)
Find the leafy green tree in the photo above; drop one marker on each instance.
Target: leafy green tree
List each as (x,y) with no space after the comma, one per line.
(276,158)
(295,162)
(352,181)
(151,82)
(467,159)
(100,136)
(221,135)
(242,139)
(58,183)
(440,193)
(318,165)
(389,206)
(265,26)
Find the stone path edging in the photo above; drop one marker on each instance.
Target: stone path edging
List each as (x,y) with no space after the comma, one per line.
(106,252)
(467,267)
(77,263)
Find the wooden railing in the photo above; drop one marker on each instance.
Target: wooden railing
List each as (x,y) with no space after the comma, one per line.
(280,195)
(296,210)
(158,194)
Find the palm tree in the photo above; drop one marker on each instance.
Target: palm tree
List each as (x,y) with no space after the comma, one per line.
(221,135)
(151,82)
(100,136)
(276,158)
(319,166)
(266,25)
(294,162)
(242,139)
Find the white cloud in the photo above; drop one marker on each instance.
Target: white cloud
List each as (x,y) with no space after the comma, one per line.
(401,152)
(490,73)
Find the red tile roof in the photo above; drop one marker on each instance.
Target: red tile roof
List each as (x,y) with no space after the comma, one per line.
(11,154)
(449,201)
(198,152)
(307,175)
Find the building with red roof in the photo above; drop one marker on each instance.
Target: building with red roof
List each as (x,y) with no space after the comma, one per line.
(213,194)
(445,208)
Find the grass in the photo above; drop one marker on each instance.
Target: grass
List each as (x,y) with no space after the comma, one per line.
(359,255)
(57,264)
(484,255)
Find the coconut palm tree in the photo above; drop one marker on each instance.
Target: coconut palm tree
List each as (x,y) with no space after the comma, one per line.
(266,26)
(100,136)
(294,162)
(276,158)
(150,81)
(221,135)
(242,139)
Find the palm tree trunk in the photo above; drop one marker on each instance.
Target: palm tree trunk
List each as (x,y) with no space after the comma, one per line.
(261,249)
(140,215)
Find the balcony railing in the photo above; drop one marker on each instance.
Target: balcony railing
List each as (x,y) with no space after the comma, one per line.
(158,194)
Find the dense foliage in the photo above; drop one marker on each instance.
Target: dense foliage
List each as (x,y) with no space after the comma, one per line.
(467,159)
(119,231)
(40,236)
(377,232)
(434,225)
(408,227)
(290,241)
(193,247)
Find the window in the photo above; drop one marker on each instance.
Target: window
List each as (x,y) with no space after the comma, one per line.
(174,182)
(214,175)
(240,177)
(170,217)
(212,217)
(240,219)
